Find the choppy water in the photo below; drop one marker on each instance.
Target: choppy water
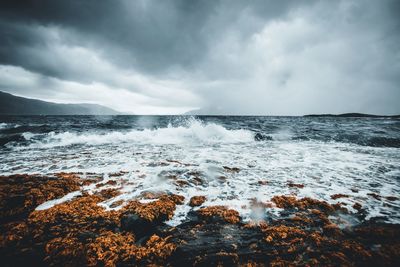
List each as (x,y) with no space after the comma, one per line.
(354,156)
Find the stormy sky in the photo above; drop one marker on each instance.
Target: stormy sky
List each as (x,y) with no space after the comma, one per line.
(229,57)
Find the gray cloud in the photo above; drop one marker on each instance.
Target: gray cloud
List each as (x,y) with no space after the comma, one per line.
(239,57)
(149,35)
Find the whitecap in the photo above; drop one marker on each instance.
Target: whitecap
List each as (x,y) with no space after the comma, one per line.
(194,132)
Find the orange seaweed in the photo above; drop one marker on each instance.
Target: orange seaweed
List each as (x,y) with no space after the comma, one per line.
(159,210)
(20,194)
(231,216)
(197,201)
(336,196)
(295,185)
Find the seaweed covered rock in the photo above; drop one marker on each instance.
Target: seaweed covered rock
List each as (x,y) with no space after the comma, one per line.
(111,249)
(219,212)
(109,193)
(159,210)
(73,217)
(82,232)
(291,202)
(143,218)
(134,223)
(203,243)
(197,201)
(21,194)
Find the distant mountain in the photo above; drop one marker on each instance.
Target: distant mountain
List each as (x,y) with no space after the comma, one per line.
(15,105)
(353,115)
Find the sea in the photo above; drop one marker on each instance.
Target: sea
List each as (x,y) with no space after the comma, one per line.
(234,161)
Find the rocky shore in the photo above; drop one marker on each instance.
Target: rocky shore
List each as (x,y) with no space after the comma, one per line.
(82,232)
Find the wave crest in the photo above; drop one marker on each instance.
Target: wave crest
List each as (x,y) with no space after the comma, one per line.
(192,132)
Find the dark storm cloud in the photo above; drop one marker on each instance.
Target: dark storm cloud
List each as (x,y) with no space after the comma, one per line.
(149,35)
(258,57)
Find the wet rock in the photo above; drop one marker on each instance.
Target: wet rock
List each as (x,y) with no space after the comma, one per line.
(157,211)
(290,184)
(374,195)
(357,206)
(181,183)
(139,226)
(262,137)
(222,179)
(197,201)
(109,182)
(86,235)
(151,194)
(119,249)
(288,202)
(109,193)
(171,174)
(332,230)
(81,232)
(21,194)
(89,181)
(195,177)
(336,196)
(231,169)
(216,213)
(214,244)
(180,163)
(116,204)
(118,174)
(158,164)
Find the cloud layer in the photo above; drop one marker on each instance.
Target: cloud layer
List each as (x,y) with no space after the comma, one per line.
(229,57)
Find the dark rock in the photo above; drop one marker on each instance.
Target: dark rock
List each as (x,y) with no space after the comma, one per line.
(139,226)
(231,169)
(229,242)
(86,235)
(21,194)
(261,137)
(197,201)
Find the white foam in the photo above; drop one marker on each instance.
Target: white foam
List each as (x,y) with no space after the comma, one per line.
(152,156)
(4,125)
(52,203)
(282,135)
(28,135)
(194,132)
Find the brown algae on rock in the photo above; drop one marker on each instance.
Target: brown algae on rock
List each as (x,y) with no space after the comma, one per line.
(82,232)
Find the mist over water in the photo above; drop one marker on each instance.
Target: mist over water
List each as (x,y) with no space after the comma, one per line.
(353,156)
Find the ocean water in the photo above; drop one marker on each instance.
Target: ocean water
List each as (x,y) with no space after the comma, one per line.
(193,156)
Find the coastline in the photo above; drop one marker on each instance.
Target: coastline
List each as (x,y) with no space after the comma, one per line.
(81,232)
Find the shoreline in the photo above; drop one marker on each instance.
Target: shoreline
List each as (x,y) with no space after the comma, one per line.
(81,232)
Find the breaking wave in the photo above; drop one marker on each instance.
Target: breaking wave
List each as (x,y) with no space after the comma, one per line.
(192,132)
(4,125)
(230,160)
